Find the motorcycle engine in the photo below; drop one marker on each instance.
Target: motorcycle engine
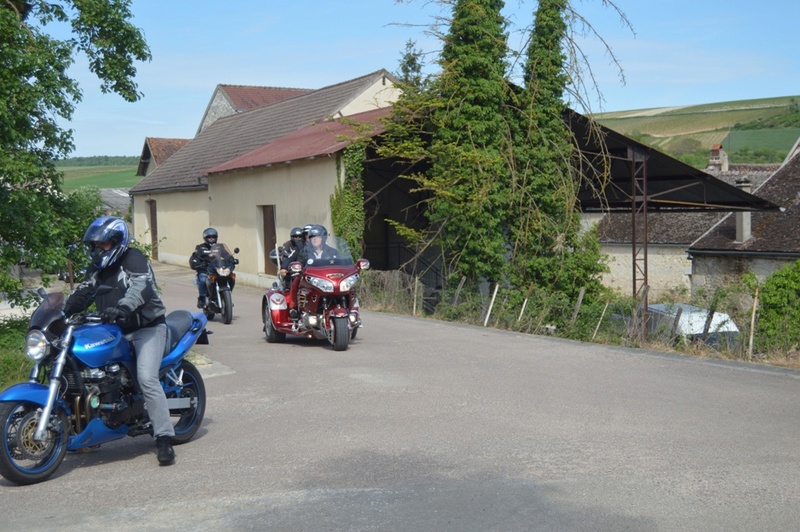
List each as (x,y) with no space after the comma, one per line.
(111,395)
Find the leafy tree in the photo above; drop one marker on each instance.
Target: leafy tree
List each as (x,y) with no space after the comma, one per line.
(347,201)
(778,326)
(35,91)
(462,115)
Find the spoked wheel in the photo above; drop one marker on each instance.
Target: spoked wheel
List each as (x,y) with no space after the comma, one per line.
(188,419)
(227,307)
(341,334)
(24,460)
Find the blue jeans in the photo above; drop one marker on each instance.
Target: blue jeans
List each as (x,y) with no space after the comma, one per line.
(200,281)
(149,344)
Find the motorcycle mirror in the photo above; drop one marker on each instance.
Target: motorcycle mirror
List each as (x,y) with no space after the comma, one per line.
(236,250)
(363,264)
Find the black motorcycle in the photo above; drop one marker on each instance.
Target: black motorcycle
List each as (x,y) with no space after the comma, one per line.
(220,281)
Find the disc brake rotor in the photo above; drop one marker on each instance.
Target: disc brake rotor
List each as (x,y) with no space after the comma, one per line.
(30,448)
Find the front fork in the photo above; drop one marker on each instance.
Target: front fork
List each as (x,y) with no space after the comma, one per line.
(55,383)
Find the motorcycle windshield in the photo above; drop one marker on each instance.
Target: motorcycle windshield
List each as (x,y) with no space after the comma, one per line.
(219,256)
(328,251)
(49,311)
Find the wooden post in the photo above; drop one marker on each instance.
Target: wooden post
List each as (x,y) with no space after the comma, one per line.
(458,290)
(521,312)
(752,326)
(578,305)
(600,320)
(416,284)
(489,312)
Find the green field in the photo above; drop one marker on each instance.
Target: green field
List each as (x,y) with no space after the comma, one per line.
(707,124)
(99,176)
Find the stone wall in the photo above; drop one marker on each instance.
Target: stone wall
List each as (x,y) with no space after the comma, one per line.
(668,269)
(710,272)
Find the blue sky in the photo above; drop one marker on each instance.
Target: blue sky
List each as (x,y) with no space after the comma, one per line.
(682,53)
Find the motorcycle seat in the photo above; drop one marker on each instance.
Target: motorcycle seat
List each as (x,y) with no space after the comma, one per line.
(178,323)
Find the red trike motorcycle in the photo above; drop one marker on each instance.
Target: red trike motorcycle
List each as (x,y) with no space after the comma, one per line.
(321,302)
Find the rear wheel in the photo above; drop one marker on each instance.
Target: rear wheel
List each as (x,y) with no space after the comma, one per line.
(227,307)
(341,334)
(194,389)
(273,336)
(24,460)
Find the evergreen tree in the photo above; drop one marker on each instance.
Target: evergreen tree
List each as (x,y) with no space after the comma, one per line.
(468,169)
(543,219)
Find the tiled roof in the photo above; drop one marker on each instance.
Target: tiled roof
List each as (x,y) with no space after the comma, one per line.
(320,139)
(116,199)
(246,97)
(235,135)
(663,228)
(772,232)
(159,150)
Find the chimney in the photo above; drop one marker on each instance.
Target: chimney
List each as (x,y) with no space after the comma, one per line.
(743,233)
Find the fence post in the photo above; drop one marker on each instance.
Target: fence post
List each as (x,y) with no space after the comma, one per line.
(458,290)
(752,326)
(578,305)
(489,312)
(416,284)
(600,320)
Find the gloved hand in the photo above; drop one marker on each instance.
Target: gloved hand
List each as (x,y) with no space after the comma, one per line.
(112,314)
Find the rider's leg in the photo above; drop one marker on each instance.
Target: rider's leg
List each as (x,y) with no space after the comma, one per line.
(149,345)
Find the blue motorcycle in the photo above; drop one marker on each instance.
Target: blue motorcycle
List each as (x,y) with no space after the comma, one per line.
(82,391)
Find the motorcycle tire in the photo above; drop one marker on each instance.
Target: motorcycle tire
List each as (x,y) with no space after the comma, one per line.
(22,459)
(273,336)
(227,307)
(341,334)
(354,333)
(189,419)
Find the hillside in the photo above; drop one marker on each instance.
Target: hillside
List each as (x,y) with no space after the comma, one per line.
(685,129)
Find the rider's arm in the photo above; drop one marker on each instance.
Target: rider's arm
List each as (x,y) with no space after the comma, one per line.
(83,296)
(139,280)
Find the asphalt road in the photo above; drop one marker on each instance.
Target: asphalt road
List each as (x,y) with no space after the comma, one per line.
(423,425)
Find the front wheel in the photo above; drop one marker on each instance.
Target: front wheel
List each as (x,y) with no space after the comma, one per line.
(227,307)
(24,460)
(341,334)
(193,388)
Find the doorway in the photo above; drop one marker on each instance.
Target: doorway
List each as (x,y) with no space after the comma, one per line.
(270,238)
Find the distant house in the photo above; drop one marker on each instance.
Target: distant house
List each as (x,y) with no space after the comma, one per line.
(116,201)
(759,242)
(671,234)
(156,151)
(231,99)
(253,205)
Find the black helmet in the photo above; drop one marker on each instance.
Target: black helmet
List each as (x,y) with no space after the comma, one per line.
(306,229)
(107,229)
(297,232)
(317,230)
(209,234)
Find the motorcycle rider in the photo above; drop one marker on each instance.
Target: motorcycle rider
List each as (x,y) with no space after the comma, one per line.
(199,263)
(133,303)
(317,247)
(290,252)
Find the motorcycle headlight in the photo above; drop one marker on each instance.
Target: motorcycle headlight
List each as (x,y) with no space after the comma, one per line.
(36,346)
(224,271)
(348,283)
(323,284)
